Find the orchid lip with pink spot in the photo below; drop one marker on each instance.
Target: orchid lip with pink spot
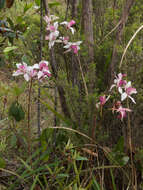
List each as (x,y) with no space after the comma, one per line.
(21,69)
(52,28)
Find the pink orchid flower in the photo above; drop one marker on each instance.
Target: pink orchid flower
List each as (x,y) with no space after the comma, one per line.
(52,38)
(21,70)
(73,46)
(43,64)
(69,25)
(38,71)
(54,33)
(122,112)
(119,82)
(129,90)
(52,28)
(28,71)
(31,72)
(102,100)
(43,70)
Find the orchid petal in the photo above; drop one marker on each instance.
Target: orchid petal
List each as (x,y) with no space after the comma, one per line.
(26,76)
(124,96)
(128,85)
(72,30)
(132,99)
(120,90)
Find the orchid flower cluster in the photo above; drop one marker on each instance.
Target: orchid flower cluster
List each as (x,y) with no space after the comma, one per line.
(125,89)
(53,35)
(37,71)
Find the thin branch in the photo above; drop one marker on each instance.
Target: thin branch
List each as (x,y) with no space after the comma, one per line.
(117,25)
(138,30)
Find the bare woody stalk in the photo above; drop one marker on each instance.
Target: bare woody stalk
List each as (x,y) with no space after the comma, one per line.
(133,173)
(42,5)
(39,89)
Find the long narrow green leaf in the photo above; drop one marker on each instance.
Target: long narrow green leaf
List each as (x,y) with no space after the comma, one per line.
(113,179)
(96,185)
(34,183)
(26,165)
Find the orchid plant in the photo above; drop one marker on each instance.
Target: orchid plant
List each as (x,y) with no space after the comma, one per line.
(125,89)
(38,72)
(53,34)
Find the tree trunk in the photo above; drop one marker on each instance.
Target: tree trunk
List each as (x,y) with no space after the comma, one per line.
(61,91)
(124,17)
(74,5)
(87,27)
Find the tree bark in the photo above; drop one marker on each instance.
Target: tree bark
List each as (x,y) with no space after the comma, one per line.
(124,17)
(74,5)
(87,27)
(59,87)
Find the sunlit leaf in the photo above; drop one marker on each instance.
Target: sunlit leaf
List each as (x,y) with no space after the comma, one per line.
(8,49)
(54,4)
(37,2)
(81,158)
(27,7)
(2,163)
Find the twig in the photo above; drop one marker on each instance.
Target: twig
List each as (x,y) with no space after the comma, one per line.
(73,130)
(117,25)
(132,38)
